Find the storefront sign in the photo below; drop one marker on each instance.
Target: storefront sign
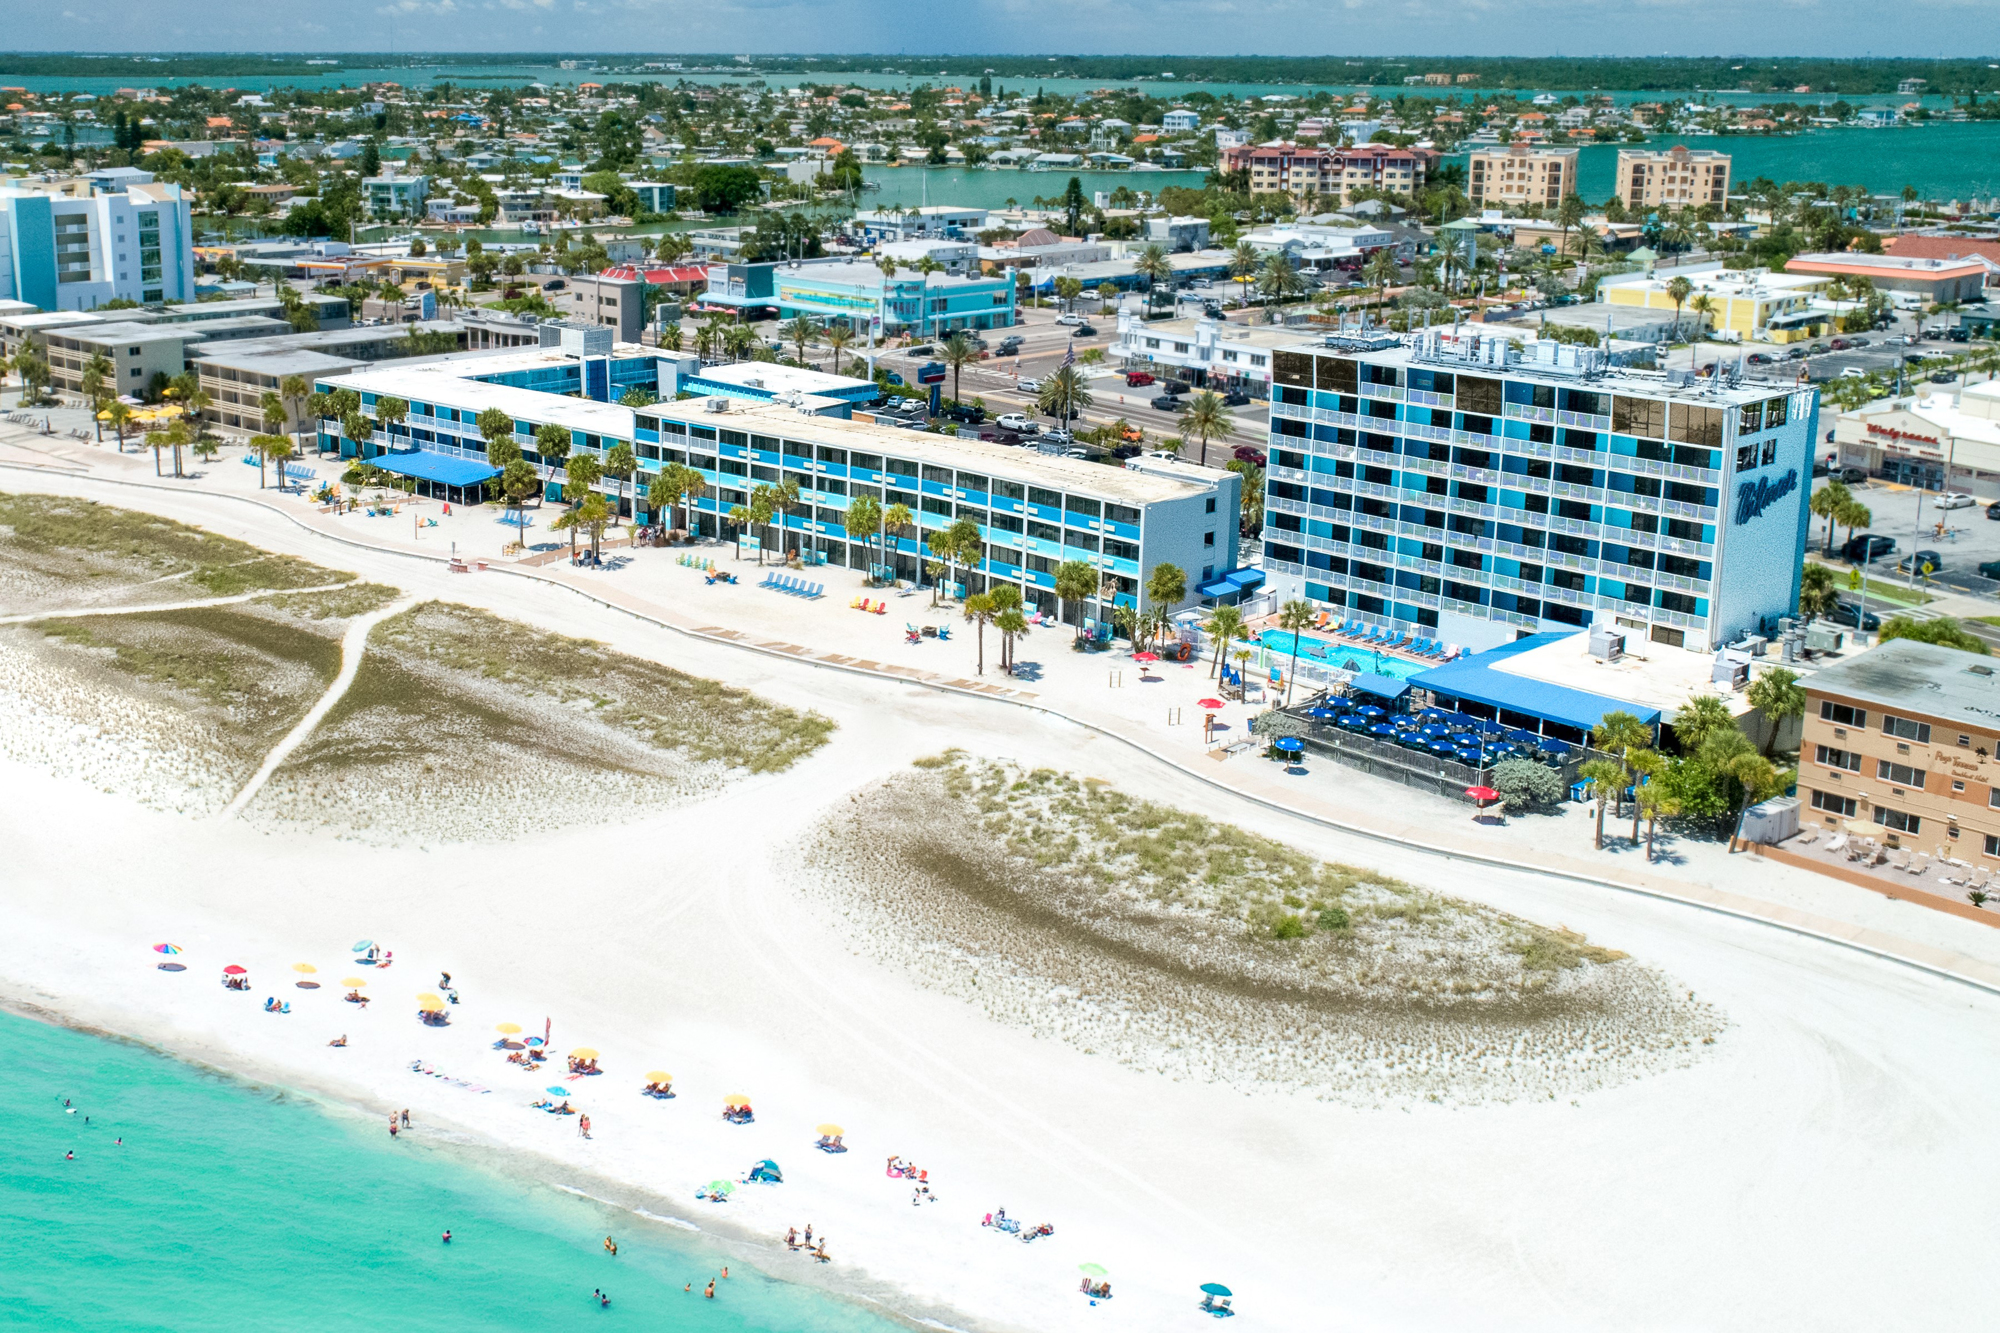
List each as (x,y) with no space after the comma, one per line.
(1754,497)
(1891,433)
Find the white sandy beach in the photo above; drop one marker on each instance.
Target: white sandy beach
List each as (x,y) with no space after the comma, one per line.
(1822,1165)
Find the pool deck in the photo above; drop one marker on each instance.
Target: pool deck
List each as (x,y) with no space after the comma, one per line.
(1376,657)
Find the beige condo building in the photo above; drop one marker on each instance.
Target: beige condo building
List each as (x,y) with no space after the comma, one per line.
(1677,177)
(1519,174)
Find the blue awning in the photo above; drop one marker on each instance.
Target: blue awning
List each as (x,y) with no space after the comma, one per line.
(1387,687)
(427,466)
(1228,585)
(1476,679)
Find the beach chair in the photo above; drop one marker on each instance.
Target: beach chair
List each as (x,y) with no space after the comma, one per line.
(1321,623)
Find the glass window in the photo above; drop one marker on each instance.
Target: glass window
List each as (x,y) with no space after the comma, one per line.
(1044,532)
(1337,375)
(1834,804)
(870,462)
(1048,499)
(1481,395)
(1905,729)
(793,448)
(1897,820)
(1695,425)
(1841,715)
(1127,514)
(827,455)
(1775,412)
(1005,522)
(735,437)
(1087,508)
(1832,758)
(972,481)
(1012,490)
(1638,416)
(1295,368)
(940,475)
(1749,418)
(1901,775)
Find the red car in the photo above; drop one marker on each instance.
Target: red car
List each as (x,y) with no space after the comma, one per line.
(1136,378)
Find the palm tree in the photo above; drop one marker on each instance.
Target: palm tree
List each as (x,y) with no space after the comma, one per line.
(1278,280)
(670,337)
(99,378)
(552,442)
(206,447)
(1699,718)
(1076,581)
(673,485)
(1622,734)
(980,610)
(863,517)
(1225,623)
(1205,416)
(260,445)
(1825,503)
(1153,265)
(1854,515)
(1382,270)
(1656,804)
(295,391)
(895,519)
(118,412)
(763,504)
(581,472)
(1817,596)
(784,502)
(837,337)
(1063,395)
(957,352)
(1012,625)
(1294,617)
(1778,695)
(1678,291)
(1569,213)
(1243,262)
(1704,307)
(800,331)
(619,464)
(1603,778)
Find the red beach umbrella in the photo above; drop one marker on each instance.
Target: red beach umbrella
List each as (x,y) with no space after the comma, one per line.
(1210,704)
(234,971)
(1482,794)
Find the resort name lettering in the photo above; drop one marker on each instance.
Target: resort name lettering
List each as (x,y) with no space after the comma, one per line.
(1754,497)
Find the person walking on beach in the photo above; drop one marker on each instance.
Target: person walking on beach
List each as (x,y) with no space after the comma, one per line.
(406,1117)
(583,1126)
(392,1127)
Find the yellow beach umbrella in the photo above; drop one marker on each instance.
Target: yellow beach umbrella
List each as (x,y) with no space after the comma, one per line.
(831,1131)
(430,1004)
(353,981)
(659,1076)
(736,1099)
(304,969)
(583,1053)
(428,998)
(508,1028)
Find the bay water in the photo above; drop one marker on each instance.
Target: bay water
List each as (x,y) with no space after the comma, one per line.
(232,1205)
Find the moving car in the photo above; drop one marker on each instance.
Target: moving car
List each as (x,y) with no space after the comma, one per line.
(1854,373)
(1057,435)
(1028,385)
(1166,402)
(1867,547)
(1176,387)
(1920,562)
(1955,500)
(1943,377)
(1758,359)
(1235,398)
(1069,317)
(1137,379)
(1084,331)
(1015,421)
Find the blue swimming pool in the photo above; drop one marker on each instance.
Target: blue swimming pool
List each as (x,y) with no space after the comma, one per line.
(1340,654)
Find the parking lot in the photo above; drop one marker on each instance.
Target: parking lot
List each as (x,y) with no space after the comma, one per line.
(1969,539)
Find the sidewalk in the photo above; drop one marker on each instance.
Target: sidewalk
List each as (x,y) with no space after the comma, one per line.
(1152,709)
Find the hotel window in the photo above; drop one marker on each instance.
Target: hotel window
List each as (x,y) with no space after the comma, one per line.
(1898,821)
(1903,727)
(1901,775)
(1832,758)
(1841,715)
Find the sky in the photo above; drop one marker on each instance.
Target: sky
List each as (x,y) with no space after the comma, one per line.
(1213,27)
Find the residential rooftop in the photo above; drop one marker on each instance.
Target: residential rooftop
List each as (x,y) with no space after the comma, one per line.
(1904,675)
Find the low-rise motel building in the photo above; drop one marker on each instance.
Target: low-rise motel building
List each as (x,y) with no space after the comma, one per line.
(757,424)
(1900,744)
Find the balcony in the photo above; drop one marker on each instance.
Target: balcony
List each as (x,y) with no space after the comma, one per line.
(1276,566)
(1420,398)
(1582,420)
(1528,412)
(1278,505)
(1472,509)
(1384,391)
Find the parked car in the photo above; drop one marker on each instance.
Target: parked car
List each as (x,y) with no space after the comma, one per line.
(1795,354)
(1137,379)
(1235,398)
(1852,616)
(1166,402)
(1816,349)
(1176,387)
(1993,510)
(1015,421)
(1758,359)
(1854,373)
(1821,468)
(1853,476)
(1867,547)
(1955,500)
(1942,377)
(1069,317)
(1057,435)
(1857,342)
(964,414)
(1082,454)
(1918,561)
(1168,455)
(1840,344)
(1990,570)
(1958,335)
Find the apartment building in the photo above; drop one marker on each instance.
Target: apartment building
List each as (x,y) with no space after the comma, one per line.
(1035,511)
(1380,167)
(1518,174)
(1475,489)
(1677,177)
(395,196)
(1286,168)
(1900,744)
(72,249)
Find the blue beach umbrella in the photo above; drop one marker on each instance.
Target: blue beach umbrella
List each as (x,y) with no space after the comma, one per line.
(1216,1289)
(557,1092)
(1288,744)
(364,946)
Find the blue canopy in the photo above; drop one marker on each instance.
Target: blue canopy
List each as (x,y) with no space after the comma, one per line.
(1227,585)
(1289,744)
(1387,687)
(1477,679)
(428,466)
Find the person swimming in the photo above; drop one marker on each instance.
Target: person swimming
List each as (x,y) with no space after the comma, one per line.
(709,1291)
(611,1247)
(70,1156)
(447,1238)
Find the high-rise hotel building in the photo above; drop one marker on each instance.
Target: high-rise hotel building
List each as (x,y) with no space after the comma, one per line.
(1473,489)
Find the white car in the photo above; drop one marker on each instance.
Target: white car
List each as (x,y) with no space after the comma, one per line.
(1077,453)
(1069,317)
(1015,421)
(1955,500)
(1028,386)
(1057,435)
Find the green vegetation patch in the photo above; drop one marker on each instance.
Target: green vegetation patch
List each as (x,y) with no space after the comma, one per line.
(1198,949)
(56,552)
(336,604)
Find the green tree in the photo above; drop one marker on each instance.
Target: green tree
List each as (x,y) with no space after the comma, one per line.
(99,385)
(119,413)
(580,473)
(552,442)
(1603,779)
(1063,395)
(1569,213)
(801,332)
(1278,281)
(1943,631)
(1853,515)
(1076,581)
(1699,718)
(763,507)
(672,486)
(1778,695)
(1166,587)
(895,519)
(265,447)
(980,610)
(1818,595)
(294,392)
(1154,267)
(1623,735)
(497,428)
(1678,291)
(862,519)
(619,465)
(1382,270)
(1012,625)
(957,352)
(837,337)
(1656,801)
(1825,503)
(1205,417)
(1225,624)
(1243,264)
(1295,618)
(1524,784)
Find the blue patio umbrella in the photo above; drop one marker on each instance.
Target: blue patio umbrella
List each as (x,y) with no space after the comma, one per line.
(1371,712)
(1434,729)
(1470,757)
(1216,1289)
(1382,729)
(1322,712)
(1288,744)
(557,1092)
(1442,748)
(1432,715)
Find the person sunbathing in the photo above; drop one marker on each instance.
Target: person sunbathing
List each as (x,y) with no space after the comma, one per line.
(341,1040)
(356,997)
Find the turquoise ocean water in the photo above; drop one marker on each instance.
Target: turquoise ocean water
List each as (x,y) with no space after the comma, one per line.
(233,1206)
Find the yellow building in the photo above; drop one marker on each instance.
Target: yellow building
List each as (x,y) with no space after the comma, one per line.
(1744,302)
(1677,177)
(1518,174)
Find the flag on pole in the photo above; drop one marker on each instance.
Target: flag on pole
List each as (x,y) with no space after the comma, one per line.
(1069,357)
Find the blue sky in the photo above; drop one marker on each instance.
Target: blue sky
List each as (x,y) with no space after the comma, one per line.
(1220,27)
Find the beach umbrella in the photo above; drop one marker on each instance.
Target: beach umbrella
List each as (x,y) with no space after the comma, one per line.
(1210,704)
(1288,744)
(432,1005)
(1216,1289)
(659,1076)
(1093,1270)
(508,1028)
(557,1092)
(352,981)
(736,1099)
(234,971)
(831,1131)
(1482,794)
(304,969)
(168,949)
(1371,711)
(426,997)
(534,1041)
(583,1053)
(722,1187)
(364,946)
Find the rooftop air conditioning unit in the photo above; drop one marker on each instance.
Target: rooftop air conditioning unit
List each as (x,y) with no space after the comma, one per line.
(717,404)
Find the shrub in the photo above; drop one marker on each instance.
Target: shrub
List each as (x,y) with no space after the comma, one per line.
(1288,928)
(1334,918)
(1526,785)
